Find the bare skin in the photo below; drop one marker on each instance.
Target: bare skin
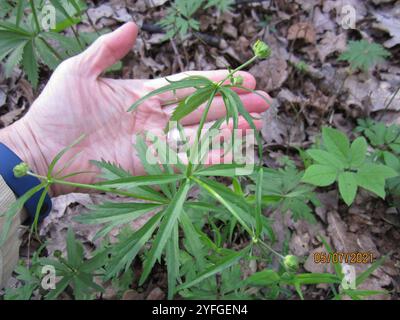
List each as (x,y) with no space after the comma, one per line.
(77,100)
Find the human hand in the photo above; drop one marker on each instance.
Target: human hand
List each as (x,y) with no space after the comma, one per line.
(77,100)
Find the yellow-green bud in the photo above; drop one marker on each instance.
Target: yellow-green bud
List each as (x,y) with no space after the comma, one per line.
(21,170)
(261,49)
(237,81)
(291,262)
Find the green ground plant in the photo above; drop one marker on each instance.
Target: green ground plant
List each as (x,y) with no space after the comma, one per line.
(25,39)
(181,16)
(195,238)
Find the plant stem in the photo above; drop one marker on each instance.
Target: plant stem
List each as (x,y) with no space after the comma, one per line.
(35,17)
(270,249)
(244,65)
(93,187)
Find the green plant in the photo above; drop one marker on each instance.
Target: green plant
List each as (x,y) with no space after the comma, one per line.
(283,189)
(193,237)
(180,17)
(24,39)
(386,143)
(363,55)
(347,164)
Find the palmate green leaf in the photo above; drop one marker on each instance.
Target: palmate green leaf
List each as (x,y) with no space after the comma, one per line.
(17,31)
(192,102)
(347,186)
(336,142)
(221,5)
(358,152)
(363,55)
(372,177)
(189,82)
(138,181)
(14,58)
(110,212)
(320,175)
(111,171)
(226,202)
(222,264)
(299,209)
(170,218)
(126,250)
(9,41)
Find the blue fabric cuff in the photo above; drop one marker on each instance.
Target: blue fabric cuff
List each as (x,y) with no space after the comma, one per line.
(8,160)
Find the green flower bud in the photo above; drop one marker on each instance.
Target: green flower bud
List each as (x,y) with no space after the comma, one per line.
(261,49)
(57,253)
(291,262)
(21,170)
(237,81)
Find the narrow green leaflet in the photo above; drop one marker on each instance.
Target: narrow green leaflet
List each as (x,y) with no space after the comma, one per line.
(14,209)
(189,82)
(29,61)
(127,249)
(172,257)
(138,181)
(236,213)
(221,170)
(220,266)
(192,102)
(347,186)
(170,218)
(364,275)
(263,278)
(114,211)
(258,207)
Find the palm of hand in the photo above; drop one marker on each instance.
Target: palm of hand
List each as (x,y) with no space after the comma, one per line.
(77,101)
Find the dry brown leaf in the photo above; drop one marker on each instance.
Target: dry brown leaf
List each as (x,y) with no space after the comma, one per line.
(302,30)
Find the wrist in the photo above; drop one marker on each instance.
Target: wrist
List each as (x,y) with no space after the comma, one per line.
(21,140)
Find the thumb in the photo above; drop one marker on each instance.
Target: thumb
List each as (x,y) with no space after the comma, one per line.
(108,49)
